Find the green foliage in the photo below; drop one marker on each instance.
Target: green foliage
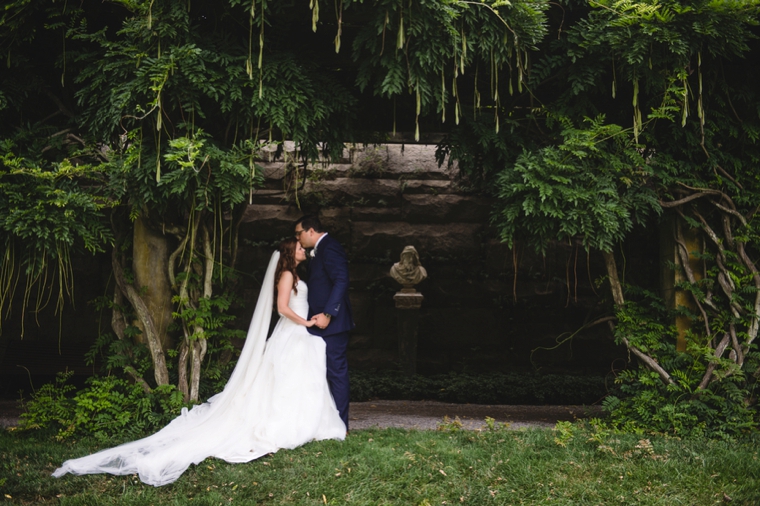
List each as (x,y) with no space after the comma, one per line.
(48,212)
(564,433)
(689,133)
(593,185)
(120,354)
(211,316)
(51,404)
(109,407)
(493,388)
(61,217)
(162,108)
(644,404)
(438,41)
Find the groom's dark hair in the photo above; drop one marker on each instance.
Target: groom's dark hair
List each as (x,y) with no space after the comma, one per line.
(310,221)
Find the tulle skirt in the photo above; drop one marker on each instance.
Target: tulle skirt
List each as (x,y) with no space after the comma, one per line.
(284,403)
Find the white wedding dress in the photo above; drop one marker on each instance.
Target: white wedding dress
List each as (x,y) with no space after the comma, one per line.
(277,397)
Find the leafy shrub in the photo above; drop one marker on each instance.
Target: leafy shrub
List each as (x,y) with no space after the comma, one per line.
(492,388)
(645,404)
(108,407)
(648,406)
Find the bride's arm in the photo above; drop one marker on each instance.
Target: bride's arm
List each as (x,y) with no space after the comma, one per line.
(284,286)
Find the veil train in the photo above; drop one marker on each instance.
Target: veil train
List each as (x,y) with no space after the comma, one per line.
(221,427)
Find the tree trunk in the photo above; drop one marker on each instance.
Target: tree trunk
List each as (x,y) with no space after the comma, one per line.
(150,258)
(617,296)
(612,273)
(160,370)
(182,384)
(199,343)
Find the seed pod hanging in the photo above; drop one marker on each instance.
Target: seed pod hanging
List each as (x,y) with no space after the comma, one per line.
(249,61)
(261,39)
(685,111)
(400,39)
(417,115)
(158,151)
(314,6)
(476,95)
(443,96)
(340,28)
(636,111)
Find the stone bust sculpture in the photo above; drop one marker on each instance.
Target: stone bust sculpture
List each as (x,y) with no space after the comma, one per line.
(408,271)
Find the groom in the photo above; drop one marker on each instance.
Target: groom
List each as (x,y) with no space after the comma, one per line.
(328,303)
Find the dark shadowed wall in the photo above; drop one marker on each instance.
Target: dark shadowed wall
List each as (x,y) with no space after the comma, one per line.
(487,307)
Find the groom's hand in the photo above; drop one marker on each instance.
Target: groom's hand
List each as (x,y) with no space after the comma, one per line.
(322,320)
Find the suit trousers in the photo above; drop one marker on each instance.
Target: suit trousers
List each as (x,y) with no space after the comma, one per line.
(337,371)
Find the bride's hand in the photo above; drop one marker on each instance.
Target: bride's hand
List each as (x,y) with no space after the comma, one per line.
(312,322)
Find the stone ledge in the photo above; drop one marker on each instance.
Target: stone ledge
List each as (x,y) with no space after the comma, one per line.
(375,238)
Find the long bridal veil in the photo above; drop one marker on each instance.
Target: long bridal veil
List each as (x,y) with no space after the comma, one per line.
(221,427)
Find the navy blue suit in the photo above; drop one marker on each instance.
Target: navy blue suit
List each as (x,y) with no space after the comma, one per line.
(328,293)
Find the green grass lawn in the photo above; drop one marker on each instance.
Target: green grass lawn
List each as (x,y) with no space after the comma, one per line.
(393,466)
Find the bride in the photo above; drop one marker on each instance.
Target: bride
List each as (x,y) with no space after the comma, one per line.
(277,396)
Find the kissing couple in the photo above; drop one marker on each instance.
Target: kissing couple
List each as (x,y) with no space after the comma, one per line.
(284,391)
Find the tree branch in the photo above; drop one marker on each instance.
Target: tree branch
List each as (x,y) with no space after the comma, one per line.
(730,211)
(754,319)
(132,372)
(713,364)
(208,267)
(173,259)
(693,196)
(684,254)
(649,362)
(617,295)
(617,289)
(723,171)
(143,313)
(65,110)
(724,278)
(735,343)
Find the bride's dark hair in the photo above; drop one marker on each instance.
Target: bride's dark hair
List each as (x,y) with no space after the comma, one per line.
(287,262)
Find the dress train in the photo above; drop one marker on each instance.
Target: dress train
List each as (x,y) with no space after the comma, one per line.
(277,397)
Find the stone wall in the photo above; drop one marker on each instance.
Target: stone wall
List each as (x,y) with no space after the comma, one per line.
(377,200)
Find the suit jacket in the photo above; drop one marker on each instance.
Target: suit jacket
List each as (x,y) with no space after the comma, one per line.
(328,287)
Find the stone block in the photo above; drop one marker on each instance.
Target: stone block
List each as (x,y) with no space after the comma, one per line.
(353,192)
(432,187)
(272,170)
(374,239)
(268,222)
(337,221)
(445,208)
(269,194)
(416,160)
(375,214)
(393,161)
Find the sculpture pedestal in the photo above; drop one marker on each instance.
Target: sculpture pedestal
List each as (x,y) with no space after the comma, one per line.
(408,302)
